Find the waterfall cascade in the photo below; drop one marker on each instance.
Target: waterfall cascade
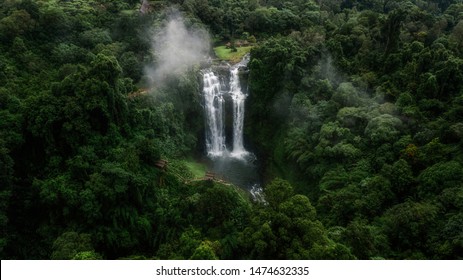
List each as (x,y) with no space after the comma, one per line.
(214,110)
(214,102)
(224,106)
(238,98)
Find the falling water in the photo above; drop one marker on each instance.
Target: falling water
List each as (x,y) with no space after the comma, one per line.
(214,105)
(257,193)
(214,109)
(215,115)
(221,84)
(238,98)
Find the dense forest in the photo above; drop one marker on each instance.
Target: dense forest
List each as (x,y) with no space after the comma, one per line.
(355,111)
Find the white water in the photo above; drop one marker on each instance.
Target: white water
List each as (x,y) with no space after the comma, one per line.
(257,193)
(238,166)
(214,103)
(214,109)
(238,98)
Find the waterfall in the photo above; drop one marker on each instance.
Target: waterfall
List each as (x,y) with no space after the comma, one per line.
(214,103)
(238,98)
(224,105)
(214,111)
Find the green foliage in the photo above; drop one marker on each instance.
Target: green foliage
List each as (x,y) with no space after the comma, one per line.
(205,251)
(366,240)
(198,170)
(383,129)
(277,192)
(407,224)
(401,178)
(223,53)
(451,243)
(347,96)
(354,110)
(71,245)
(87,255)
(440,176)
(365,124)
(287,228)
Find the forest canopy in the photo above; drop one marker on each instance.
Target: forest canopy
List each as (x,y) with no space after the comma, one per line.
(355,111)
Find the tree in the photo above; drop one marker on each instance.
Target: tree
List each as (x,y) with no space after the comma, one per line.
(401,177)
(72,245)
(347,95)
(106,68)
(131,66)
(407,225)
(53,21)
(18,23)
(450,243)
(278,191)
(438,177)
(364,239)
(383,129)
(457,33)
(228,211)
(390,30)
(205,251)
(287,228)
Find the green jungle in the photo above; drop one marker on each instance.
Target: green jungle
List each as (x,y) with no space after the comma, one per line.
(355,113)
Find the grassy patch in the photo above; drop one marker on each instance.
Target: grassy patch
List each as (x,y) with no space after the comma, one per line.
(226,54)
(198,169)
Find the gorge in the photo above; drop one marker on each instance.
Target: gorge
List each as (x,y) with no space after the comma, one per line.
(224,98)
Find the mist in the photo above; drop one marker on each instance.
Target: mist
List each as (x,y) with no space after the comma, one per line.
(177,48)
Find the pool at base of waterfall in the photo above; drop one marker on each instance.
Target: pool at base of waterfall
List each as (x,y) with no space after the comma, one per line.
(240,171)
